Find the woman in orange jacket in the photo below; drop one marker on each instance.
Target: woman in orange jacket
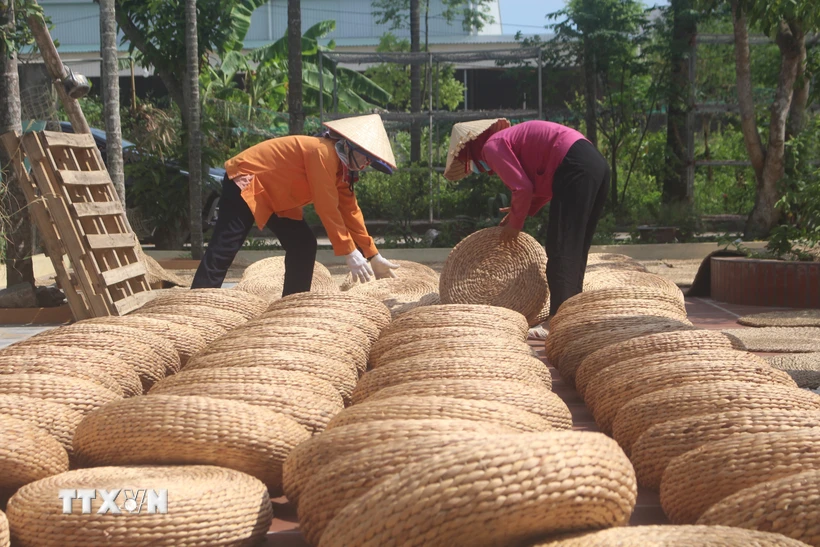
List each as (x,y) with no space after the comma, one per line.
(268,184)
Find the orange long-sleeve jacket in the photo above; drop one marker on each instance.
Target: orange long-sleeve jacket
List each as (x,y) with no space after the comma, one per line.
(288,173)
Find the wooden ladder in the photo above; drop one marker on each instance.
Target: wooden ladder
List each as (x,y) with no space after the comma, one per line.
(78,213)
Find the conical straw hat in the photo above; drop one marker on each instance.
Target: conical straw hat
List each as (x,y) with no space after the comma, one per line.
(463,133)
(368,133)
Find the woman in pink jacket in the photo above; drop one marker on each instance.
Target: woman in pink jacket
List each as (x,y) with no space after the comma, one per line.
(540,162)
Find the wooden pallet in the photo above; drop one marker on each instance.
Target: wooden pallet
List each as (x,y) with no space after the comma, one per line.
(79,214)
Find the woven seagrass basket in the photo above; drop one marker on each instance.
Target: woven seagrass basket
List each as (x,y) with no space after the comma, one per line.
(28,454)
(79,395)
(56,419)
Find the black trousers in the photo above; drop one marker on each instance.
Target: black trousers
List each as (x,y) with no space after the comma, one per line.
(580,187)
(232,227)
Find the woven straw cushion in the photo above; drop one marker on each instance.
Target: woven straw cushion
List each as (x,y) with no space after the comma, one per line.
(519,368)
(365,306)
(350,337)
(619,384)
(225,319)
(563,481)
(166,429)
(401,288)
(400,304)
(453,347)
(394,340)
(4,530)
(462,315)
(530,397)
(309,458)
(618,296)
(326,318)
(407,270)
(691,400)
(791,318)
(270,288)
(245,304)
(205,328)
(646,345)
(424,407)
(311,411)
(275,265)
(674,536)
(27,453)
(698,479)
(668,439)
(787,506)
(49,365)
(258,376)
(56,419)
(778,339)
(481,270)
(341,375)
(206,506)
(87,359)
(602,279)
(803,368)
(616,266)
(79,395)
(603,258)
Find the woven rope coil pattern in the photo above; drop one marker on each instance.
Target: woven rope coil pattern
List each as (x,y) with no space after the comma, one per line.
(79,395)
(420,408)
(601,279)
(225,319)
(778,339)
(668,439)
(674,536)
(245,304)
(646,345)
(207,329)
(364,305)
(402,288)
(341,375)
(755,459)
(27,454)
(523,369)
(601,297)
(322,316)
(785,506)
(349,336)
(310,457)
(451,346)
(642,413)
(262,376)
(270,288)
(4,531)
(309,410)
(167,429)
(481,270)
(49,365)
(563,481)
(56,419)
(465,315)
(206,506)
(404,337)
(122,372)
(804,368)
(407,270)
(791,318)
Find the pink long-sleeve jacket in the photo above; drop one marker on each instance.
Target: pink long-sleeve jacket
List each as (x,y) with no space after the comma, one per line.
(526,157)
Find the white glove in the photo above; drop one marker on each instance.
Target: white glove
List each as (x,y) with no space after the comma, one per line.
(383,267)
(359,266)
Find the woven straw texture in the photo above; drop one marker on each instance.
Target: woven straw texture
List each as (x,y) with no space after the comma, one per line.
(260,376)
(166,429)
(518,368)
(399,304)
(616,266)
(778,339)
(56,419)
(311,411)
(668,439)
(405,289)
(804,368)
(462,315)
(368,133)
(185,340)
(350,336)
(407,270)
(602,279)
(620,306)
(600,258)
(270,288)
(207,329)
(674,536)
(621,383)
(461,134)
(275,266)
(616,295)
(327,317)
(312,456)
(365,306)
(481,270)
(4,530)
(563,481)
(698,479)
(643,346)
(787,506)
(146,363)
(224,319)
(77,394)
(691,400)
(89,359)
(421,408)
(206,506)
(394,340)
(245,304)
(341,375)
(791,318)
(49,365)
(27,454)
(454,347)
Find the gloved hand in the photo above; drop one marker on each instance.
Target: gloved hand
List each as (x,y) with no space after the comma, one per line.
(359,266)
(383,267)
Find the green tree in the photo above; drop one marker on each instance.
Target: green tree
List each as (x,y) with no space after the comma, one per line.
(193,129)
(110,79)
(297,117)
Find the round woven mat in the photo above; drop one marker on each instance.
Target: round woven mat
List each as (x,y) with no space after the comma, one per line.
(602,279)
(366,306)
(482,270)
(327,317)
(4,530)
(673,536)
(452,347)
(167,429)
(785,506)
(698,479)
(312,456)
(791,318)
(89,359)
(804,368)
(400,288)
(206,506)
(28,454)
(10,364)
(207,329)
(245,304)
(518,368)
(777,339)
(407,270)
(223,319)
(275,265)
(56,419)
(565,480)
(270,287)
(462,315)
(79,395)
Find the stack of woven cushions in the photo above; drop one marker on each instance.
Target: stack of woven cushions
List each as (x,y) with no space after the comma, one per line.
(266,279)
(726,438)
(454,402)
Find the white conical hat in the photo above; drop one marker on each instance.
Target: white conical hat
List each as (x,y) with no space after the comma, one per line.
(463,133)
(368,133)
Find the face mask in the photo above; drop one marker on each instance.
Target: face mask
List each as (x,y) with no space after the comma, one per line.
(480,167)
(342,152)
